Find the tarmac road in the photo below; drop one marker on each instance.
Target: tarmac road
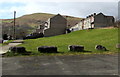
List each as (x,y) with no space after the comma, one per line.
(61,65)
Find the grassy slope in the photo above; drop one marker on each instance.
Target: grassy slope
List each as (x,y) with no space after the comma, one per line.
(28,23)
(88,38)
(32,19)
(36,19)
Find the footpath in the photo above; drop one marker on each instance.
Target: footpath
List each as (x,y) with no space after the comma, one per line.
(5,48)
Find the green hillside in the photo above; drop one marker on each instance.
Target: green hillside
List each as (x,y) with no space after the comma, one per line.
(36,19)
(87,38)
(28,23)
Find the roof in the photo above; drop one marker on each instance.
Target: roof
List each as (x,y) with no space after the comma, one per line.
(110,16)
(100,14)
(105,15)
(58,15)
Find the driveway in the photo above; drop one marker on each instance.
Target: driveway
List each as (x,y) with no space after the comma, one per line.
(61,65)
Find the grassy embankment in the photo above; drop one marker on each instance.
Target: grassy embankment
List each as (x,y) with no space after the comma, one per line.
(87,38)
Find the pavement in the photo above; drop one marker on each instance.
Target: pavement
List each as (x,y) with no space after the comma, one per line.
(61,65)
(5,48)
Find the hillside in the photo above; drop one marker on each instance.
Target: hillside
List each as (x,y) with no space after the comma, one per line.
(37,19)
(87,38)
(27,23)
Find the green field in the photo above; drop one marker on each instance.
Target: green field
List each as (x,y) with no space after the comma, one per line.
(87,38)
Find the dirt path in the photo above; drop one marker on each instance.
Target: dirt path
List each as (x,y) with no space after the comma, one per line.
(4,49)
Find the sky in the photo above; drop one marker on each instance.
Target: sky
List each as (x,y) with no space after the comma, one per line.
(76,8)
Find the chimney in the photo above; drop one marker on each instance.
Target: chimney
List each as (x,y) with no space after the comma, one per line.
(94,14)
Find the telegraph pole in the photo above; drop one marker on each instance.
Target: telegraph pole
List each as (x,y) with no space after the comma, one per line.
(14,36)
(66,24)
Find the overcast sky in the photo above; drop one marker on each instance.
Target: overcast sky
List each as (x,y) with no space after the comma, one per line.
(76,8)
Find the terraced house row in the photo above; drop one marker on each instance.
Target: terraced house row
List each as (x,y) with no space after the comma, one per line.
(94,21)
(57,24)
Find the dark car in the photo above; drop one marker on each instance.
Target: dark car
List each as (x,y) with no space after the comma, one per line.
(34,36)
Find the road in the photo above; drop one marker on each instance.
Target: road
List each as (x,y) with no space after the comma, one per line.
(61,65)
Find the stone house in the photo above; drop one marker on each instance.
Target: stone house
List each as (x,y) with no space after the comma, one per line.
(55,25)
(94,21)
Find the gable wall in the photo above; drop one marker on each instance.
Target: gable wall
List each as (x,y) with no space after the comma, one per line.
(58,26)
(103,21)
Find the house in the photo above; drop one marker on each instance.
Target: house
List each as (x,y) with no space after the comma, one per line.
(94,21)
(55,25)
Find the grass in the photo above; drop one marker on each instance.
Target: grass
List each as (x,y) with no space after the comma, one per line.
(6,43)
(0,44)
(87,38)
(7,21)
(11,54)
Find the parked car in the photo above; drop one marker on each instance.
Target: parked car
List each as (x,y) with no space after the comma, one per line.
(34,36)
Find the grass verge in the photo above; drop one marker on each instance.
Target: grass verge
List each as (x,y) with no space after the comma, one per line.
(87,38)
